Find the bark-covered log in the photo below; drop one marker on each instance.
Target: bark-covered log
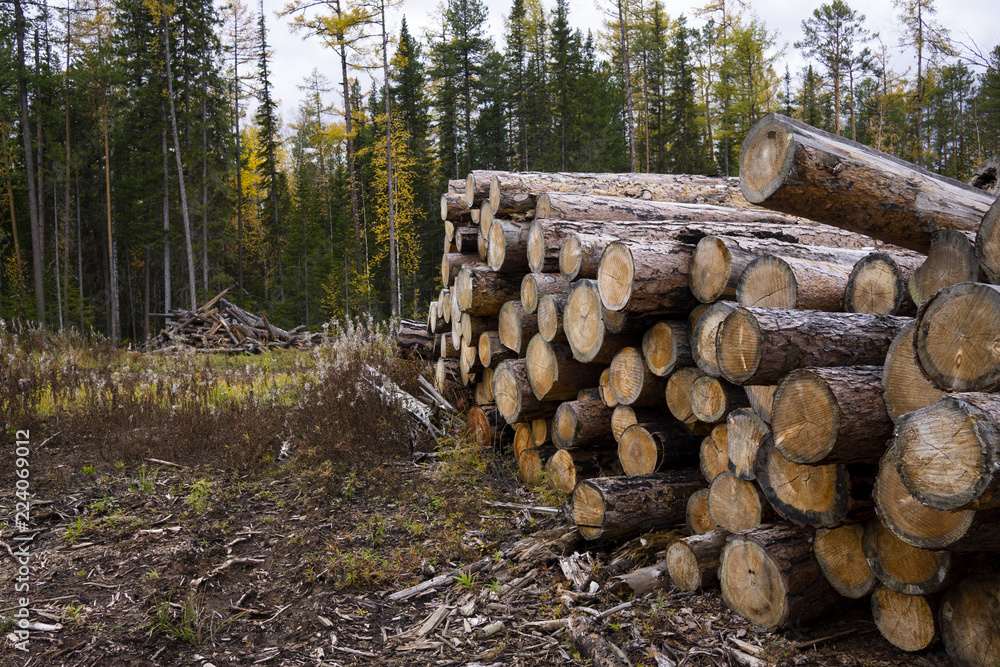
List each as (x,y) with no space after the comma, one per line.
(761,397)
(903,567)
(446,375)
(516,327)
(631,381)
(549,317)
(565,469)
(666,346)
(583,324)
(604,388)
(831,415)
(435,319)
(554,374)
(641,278)
(472,327)
(712,399)
(447,348)
(484,389)
(988,242)
(704,336)
(623,416)
(770,577)
(907,621)
(841,556)
(513,394)
(713,456)
(736,504)
(878,284)
(469,360)
(969,625)
(648,448)
(483,237)
(477,187)
(744,432)
(481,291)
(678,395)
(488,428)
(762,345)
(696,514)
(507,246)
(466,240)
(951,260)
(790,282)
(904,387)
(572,206)
(788,166)
(491,351)
(582,424)
(454,208)
(693,562)
(956,339)
(948,454)
(451,264)
(618,507)
(444,305)
(536,285)
(413,337)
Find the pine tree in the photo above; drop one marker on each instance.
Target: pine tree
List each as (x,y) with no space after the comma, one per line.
(467,49)
(988,102)
(685,154)
(564,65)
(267,121)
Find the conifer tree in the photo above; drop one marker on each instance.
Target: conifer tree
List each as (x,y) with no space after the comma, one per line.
(267,121)
(685,154)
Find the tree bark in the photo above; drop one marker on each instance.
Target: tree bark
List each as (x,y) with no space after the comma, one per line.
(842,558)
(466,241)
(554,374)
(472,326)
(788,166)
(582,425)
(737,505)
(640,278)
(950,260)
(902,567)
(693,562)
(412,335)
(455,209)
(29,165)
(653,447)
(968,621)
(452,263)
(776,282)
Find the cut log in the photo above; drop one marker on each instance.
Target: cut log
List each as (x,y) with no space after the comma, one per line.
(536,285)
(447,348)
(697,517)
(831,415)
(927,528)
(446,375)
(737,505)
(789,282)
(469,360)
(762,345)
(604,387)
(565,469)
(513,394)
(788,166)
(436,320)
(574,206)
(678,395)
(770,577)
(804,494)
(623,416)
(988,242)
(484,389)
(693,562)
(554,374)
(704,336)
(491,352)
(467,240)
(969,625)
(507,247)
(472,327)
(665,346)
(761,397)
(744,432)
(516,327)
(643,278)
(951,260)
(454,208)
(631,381)
(902,567)
(956,339)
(907,621)
(549,317)
(456,186)
(480,291)
(488,428)
(413,337)
(451,264)
(583,323)
(948,454)
(529,455)
(444,305)
(477,187)
(582,425)
(483,237)
(877,284)
(904,387)
(649,448)
(714,453)
(712,399)
(619,507)
(541,430)
(841,556)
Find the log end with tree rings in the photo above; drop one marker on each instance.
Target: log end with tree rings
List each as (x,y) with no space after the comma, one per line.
(583,321)
(744,432)
(509,326)
(806,494)
(531,467)
(615,276)
(805,418)
(712,399)
(766,158)
(911,521)
(496,247)
(678,394)
(444,206)
(560,470)
(536,247)
(735,504)
(470,190)
(907,621)
(713,455)
(904,387)
(543,207)
(988,243)
(739,346)
(768,282)
(704,336)
(875,286)
(542,366)
(564,426)
(622,417)
(901,566)
(841,556)
(541,430)
(969,628)
(604,387)
(628,371)
(711,265)
(529,293)
(462,290)
(549,317)
(698,518)
(638,451)
(947,453)
(761,398)
(958,337)
(494,197)
(483,238)
(479,426)
(588,511)
(507,392)
(951,260)
(659,347)
(570,257)
(693,561)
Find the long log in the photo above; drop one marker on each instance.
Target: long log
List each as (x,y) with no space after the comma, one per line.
(452,263)
(762,345)
(950,260)
(988,243)
(770,577)
(573,206)
(549,317)
(841,556)
(631,381)
(693,562)
(948,454)
(904,387)
(744,432)
(582,425)
(481,291)
(831,415)
(956,337)
(696,515)
(969,621)
(491,351)
(902,567)
(737,505)
(516,327)
(789,282)
(878,284)
(477,187)
(507,246)
(712,399)
(640,278)
(565,469)
(704,336)
(584,326)
(513,394)
(649,448)
(536,285)
(666,346)
(466,240)
(413,336)
(907,621)
(618,507)
(454,208)
(788,166)
(554,374)
(472,327)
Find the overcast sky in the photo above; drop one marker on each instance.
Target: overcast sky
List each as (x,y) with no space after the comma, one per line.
(295,57)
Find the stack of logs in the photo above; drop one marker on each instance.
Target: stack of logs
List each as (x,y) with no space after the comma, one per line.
(794,364)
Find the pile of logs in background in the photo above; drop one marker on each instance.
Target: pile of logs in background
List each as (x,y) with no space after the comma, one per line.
(797,364)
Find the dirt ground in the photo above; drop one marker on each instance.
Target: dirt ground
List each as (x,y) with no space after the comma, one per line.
(173,565)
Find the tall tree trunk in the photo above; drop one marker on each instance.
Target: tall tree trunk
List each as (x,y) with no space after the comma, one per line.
(79,249)
(180,171)
(13,216)
(55,248)
(167,287)
(627,76)
(348,123)
(393,286)
(68,209)
(145,294)
(204,198)
(239,164)
(112,255)
(39,160)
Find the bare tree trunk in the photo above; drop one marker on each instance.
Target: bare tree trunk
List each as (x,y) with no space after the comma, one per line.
(79,249)
(627,76)
(55,248)
(393,287)
(167,288)
(39,161)
(145,294)
(239,163)
(29,165)
(204,198)
(112,267)
(13,216)
(68,209)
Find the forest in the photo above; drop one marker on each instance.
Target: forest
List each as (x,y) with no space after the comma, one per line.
(134,178)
